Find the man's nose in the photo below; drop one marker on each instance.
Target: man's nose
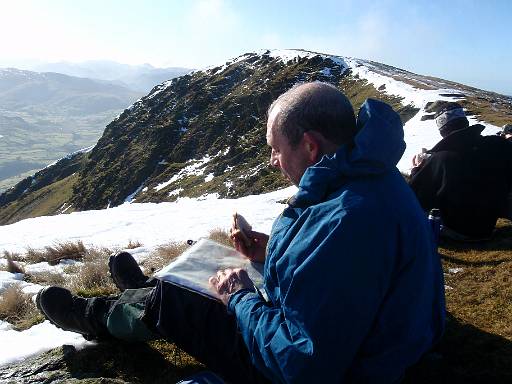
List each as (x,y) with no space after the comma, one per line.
(273,160)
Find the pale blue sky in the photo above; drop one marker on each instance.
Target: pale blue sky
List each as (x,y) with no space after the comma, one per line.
(463,40)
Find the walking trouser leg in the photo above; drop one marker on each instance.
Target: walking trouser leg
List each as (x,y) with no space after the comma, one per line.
(124,319)
(203,328)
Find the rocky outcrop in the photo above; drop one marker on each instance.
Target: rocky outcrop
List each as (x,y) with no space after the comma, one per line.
(105,363)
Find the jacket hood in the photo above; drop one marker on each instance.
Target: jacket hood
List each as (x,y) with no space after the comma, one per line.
(377,148)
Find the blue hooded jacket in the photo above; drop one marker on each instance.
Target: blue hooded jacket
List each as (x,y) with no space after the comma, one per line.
(353,278)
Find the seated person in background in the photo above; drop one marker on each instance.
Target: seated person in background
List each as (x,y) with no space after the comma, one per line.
(354,284)
(507,132)
(466,175)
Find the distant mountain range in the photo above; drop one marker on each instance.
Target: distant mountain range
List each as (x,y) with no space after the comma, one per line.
(140,78)
(45,116)
(27,91)
(204,132)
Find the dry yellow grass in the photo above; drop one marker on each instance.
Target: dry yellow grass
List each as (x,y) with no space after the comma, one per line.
(18,308)
(220,236)
(166,253)
(45,278)
(133,244)
(92,278)
(12,266)
(54,254)
(162,256)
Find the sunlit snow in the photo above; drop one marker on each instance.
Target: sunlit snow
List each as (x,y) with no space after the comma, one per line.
(150,224)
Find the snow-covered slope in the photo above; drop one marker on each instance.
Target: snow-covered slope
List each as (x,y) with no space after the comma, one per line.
(150,224)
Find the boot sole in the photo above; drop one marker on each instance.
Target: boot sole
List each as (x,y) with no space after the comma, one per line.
(110,261)
(124,286)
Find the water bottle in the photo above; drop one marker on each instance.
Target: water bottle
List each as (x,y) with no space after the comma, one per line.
(434,218)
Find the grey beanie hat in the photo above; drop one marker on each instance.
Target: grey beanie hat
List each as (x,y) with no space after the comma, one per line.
(450,111)
(450,118)
(507,129)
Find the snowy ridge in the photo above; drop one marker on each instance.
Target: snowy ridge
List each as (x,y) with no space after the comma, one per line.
(70,155)
(418,134)
(300,65)
(415,90)
(410,94)
(289,54)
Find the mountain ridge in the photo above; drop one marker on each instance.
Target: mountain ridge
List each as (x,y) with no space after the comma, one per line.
(204,132)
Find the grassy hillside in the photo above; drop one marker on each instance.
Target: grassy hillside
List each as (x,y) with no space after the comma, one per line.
(477,347)
(203,133)
(47,200)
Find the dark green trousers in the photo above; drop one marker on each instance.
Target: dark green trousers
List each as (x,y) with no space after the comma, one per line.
(124,320)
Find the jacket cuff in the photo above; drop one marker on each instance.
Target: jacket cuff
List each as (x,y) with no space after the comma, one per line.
(239,296)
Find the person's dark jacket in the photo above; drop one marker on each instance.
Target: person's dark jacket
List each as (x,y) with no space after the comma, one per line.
(355,286)
(468,177)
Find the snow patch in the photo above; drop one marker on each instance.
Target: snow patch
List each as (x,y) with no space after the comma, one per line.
(326,72)
(70,155)
(150,223)
(40,338)
(176,192)
(208,196)
(129,199)
(159,88)
(194,168)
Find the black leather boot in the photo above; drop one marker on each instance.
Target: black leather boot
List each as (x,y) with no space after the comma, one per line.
(74,313)
(126,273)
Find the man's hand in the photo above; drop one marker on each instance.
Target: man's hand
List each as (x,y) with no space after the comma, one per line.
(229,281)
(420,157)
(258,244)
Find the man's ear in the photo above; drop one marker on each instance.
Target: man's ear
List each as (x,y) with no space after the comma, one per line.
(312,146)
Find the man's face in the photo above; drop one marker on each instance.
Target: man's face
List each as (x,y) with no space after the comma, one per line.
(292,161)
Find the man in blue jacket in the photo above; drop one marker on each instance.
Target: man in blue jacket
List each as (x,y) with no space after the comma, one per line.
(354,284)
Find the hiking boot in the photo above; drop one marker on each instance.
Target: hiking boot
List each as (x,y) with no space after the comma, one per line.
(126,273)
(74,313)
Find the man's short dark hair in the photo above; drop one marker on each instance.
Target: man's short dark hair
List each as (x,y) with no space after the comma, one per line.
(319,107)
